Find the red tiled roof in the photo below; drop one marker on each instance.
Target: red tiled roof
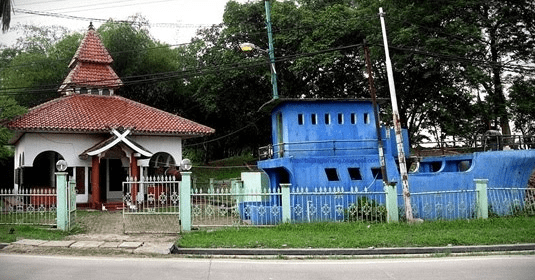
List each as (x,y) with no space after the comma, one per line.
(93,75)
(98,113)
(91,49)
(90,66)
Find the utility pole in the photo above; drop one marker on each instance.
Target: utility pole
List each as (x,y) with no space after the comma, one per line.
(397,125)
(380,147)
(271,50)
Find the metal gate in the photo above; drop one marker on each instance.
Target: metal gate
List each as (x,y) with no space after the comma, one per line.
(151,205)
(71,204)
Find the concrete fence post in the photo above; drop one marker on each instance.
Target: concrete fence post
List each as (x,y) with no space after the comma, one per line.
(482,202)
(62,211)
(185,201)
(286,209)
(391,202)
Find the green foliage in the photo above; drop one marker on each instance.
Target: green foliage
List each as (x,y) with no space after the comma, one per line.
(225,169)
(365,210)
(522,105)
(8,110)
(35,67)
(448,63)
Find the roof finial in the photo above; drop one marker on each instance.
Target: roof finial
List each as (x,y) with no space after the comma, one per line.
(91,26)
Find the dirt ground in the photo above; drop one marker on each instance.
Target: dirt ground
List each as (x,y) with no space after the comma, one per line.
(109,226)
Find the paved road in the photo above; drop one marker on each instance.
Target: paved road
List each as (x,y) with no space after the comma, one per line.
(55,267)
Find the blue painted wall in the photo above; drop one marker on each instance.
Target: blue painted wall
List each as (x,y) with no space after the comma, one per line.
(333,143)
(328,143)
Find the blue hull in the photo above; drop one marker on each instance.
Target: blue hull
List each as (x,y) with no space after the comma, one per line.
(453,173)
(502,169)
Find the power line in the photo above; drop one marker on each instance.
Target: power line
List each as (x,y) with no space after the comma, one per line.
(102,5)
(169,25)
(205,70)
(196,70)
(448,57)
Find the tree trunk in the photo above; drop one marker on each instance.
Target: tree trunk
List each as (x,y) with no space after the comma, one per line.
(5,14)
(498,100)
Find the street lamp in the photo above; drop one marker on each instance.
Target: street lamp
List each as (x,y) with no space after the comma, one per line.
(249,47)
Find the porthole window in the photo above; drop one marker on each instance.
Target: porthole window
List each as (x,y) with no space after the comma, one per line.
(366,118)
(340,118)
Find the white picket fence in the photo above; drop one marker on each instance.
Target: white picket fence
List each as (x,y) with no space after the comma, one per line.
(36,206)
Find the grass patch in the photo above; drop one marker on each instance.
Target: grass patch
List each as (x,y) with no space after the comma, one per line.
(12,233)
(510,230)
(224,169)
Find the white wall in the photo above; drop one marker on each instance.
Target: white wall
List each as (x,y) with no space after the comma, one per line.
(156,144)
(70,146)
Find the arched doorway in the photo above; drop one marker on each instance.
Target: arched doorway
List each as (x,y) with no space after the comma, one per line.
(163,164)
(41,173)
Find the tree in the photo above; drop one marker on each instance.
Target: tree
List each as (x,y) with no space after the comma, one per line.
(225,93)
(38,63)
(5,14)
(507,38)
(522,105)
(141,62)
(8,110)
(435,96)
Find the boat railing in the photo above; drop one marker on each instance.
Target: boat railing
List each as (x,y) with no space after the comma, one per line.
(487,142)
(319,148)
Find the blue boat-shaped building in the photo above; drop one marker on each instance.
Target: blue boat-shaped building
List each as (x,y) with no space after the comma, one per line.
(331,143)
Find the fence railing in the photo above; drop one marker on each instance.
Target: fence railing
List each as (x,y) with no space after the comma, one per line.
(224,206)
(511,201)
(336,204)
(214,205)
(325,148)
(28,206)
(151,205)
(484,142)
(442,205)
(228,206)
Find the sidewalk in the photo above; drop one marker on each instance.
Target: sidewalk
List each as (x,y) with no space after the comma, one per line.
(135,247)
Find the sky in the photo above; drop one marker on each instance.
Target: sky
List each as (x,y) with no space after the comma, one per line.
(174,21)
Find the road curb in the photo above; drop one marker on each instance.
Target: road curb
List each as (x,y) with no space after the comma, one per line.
(354,252)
